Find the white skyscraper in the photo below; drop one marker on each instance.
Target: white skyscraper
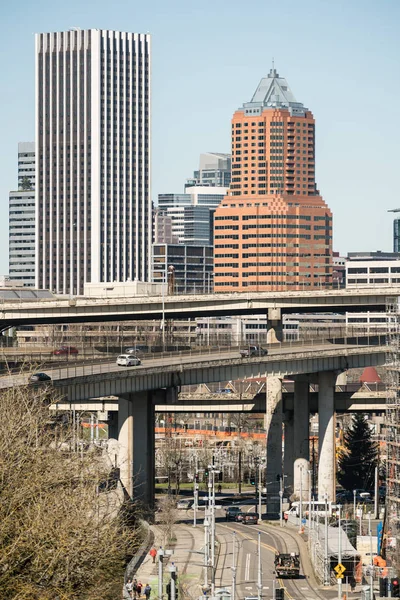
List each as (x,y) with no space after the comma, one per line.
(93,207)
(22,219)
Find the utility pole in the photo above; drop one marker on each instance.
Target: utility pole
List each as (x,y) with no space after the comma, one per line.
(160,572)
(301,499)
(234,567)
(281,500)
(259,578)
(371,579)
(240,469)
(376,499)
(173,571)
(213,531)
(309,508)
(340,552)
(326,558)
(206,549)
(259,491)
(195,491)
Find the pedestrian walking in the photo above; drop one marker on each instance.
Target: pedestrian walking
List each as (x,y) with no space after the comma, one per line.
(134,588)
(139,589)
(219,488)
(129,587)
(153,554)
(147,591)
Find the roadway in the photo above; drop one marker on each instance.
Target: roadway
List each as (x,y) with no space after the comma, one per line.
(273,539)
(276,360)
(86,310)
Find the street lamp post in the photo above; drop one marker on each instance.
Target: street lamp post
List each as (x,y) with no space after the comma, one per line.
(354,504)
(259,577)
(260,467)
(301,499)
(340,551)
(206,548)
(309,507)
(234,567)
(371,575)
(160,572)
(326,558)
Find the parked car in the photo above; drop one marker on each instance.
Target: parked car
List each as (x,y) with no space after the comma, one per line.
(185,503)
(128,360)
(250,518)
(250,351)
(65,350)
(231,512)
(38,377)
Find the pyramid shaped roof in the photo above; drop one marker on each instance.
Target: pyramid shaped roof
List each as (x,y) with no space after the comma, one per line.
(273,91)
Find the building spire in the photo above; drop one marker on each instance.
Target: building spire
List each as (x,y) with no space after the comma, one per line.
(273,72)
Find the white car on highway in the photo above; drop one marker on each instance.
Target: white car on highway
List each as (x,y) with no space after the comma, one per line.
(128,360)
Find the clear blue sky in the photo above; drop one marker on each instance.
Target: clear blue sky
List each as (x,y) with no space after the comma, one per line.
(341,59)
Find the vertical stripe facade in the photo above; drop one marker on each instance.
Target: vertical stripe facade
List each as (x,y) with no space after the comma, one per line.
(93,206)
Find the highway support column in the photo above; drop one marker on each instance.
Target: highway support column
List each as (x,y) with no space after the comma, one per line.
(326,446)
(274,326)
(301,449)
(274,443)
(288,451)
(136,446)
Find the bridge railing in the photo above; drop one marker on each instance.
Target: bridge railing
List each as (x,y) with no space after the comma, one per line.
(79,366)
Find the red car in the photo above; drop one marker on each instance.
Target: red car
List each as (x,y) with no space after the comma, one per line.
(65,350)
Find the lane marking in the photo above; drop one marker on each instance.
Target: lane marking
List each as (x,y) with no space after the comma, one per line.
(247,568)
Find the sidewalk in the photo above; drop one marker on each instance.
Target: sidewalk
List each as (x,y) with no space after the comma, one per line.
(187,557)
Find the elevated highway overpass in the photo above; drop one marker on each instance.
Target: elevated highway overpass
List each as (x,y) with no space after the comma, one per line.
(274,304)
(157,381)
(80,382)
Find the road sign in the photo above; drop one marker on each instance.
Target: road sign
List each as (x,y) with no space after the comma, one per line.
(339,576)
(340,569)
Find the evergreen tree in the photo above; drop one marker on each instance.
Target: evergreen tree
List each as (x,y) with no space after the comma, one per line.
(358,460)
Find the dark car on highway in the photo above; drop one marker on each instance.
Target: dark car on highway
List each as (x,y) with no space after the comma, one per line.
(39,378)
(250,518)
(231,512)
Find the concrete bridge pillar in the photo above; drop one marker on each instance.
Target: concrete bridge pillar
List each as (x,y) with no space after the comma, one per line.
(326,434)
(274,442)
(274,326)
(136,445)
(288,448)
(301,463)
(125,444)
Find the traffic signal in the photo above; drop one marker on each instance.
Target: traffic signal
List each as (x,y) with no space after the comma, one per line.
(280,594)
(395,587)
(169,591)
(278,477)
(383,587)
(252,480)
(206,472)
(197,478)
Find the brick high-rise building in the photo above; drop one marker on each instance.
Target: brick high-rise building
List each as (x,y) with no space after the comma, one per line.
(273,231)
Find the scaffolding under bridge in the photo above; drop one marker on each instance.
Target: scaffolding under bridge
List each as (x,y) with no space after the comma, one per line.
(392,516)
